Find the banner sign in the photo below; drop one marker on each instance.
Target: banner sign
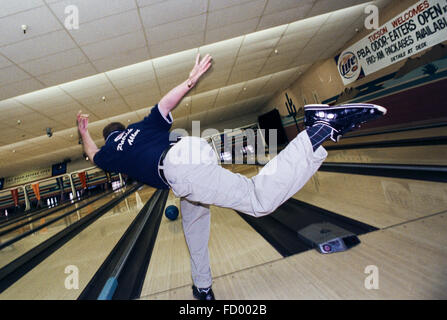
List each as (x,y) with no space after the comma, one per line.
(421,26)
(36,190)
(15,196)
(27,177)
(83,179)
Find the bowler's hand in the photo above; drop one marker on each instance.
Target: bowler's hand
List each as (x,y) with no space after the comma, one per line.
(82,120)
(200,67)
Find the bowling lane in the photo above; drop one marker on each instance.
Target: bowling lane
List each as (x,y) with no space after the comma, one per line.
(403,135)
(60,212)
(378,201)
(410,260)
(234,245)
(427,155)
(18,248)
(84,253)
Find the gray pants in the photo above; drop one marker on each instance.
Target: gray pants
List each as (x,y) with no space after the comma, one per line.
(192,170)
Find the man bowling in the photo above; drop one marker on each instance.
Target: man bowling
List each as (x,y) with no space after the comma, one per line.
(145,151)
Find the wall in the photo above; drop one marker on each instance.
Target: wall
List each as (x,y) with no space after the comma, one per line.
(323,78)
(234,123)
(78,164)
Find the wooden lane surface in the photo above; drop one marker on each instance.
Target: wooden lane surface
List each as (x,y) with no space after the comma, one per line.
(423,155)
(12,252)
(411,260)
(404,135)
(86,251)
(378,201)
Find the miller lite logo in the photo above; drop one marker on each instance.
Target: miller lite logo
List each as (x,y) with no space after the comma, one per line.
(348,65)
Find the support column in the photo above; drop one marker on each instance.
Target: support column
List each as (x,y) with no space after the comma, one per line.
(73,189)
(121,179)
(25,194)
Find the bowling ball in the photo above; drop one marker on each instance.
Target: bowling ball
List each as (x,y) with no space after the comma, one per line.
(171,212)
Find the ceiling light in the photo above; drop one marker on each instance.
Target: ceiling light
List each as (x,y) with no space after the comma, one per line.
(14,151)
(19,122)
(128,120)
(24,28)
(103,98)
(276,51)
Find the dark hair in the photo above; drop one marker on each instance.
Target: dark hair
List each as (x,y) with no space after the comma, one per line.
(114,126)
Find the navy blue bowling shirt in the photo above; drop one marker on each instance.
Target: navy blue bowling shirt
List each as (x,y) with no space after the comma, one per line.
(137,150)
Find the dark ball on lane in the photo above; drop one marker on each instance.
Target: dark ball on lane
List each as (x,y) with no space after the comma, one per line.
(171,212)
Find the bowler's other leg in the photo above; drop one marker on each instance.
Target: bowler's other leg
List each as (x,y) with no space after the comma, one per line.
(196,227)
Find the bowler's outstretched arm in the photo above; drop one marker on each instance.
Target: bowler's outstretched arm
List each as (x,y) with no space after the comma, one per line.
(90,148)
(173,97)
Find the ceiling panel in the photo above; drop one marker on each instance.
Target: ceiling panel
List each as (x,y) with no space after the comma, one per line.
(40,21)
(216,80)
(68,115)
(235,14)
(180,123)
(279,6)
(4,62)
(20,87)
(183,109)
(92,10)
(141,72)
(177,10)
(228,95)
(137,87)
(176,29)
(68,74)
(106,28)
(41,96)
(286,16)
(13,7)
(121,59)
(265,35)
(54,62)
(38,47)
(142,99)
(231,31)
(223,50)
(12,74)
(260,46)
(178,44)
(325,6)
(203,101)
(120,44)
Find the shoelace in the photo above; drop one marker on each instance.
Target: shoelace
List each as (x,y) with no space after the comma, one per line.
(204,290)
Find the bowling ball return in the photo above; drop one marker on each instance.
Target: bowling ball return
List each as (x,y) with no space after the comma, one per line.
(328,238)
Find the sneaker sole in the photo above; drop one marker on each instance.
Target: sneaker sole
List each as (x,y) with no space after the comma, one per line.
(352,105)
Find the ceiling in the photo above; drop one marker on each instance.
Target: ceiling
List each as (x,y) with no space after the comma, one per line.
(133,51)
